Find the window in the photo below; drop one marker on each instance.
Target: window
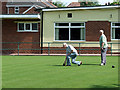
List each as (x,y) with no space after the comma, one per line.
(21,26)
(115,31)
(34,26)
(69,15)
(69,31)
(30,27)
(16,10)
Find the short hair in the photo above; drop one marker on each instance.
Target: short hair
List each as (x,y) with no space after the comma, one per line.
(64,43)
(101,31)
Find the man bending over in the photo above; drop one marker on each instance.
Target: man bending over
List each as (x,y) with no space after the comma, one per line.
(71,52)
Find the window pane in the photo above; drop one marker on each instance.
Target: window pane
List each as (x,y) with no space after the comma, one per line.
(77,34)
(34,26)
(69,15)
(62,34)
(82,34)
(115,24)
(113,33)
(117,33)
(62,24)
(57,34)
(16,8)
(27,26)
(16,11)
(21,26)
(77,24)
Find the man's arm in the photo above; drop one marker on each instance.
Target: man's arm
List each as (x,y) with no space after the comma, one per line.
(103,42)
(66,57)
(70,52)
(103,45)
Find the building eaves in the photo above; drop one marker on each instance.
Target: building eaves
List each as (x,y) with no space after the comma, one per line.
(80,8)
(20,16)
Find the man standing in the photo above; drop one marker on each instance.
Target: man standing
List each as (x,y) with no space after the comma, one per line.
(71,52)
(103,46)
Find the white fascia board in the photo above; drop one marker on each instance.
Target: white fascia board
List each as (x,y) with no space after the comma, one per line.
(18,5)
(20,16)
(81,8)
(31,8)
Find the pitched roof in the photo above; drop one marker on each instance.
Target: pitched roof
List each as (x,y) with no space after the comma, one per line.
(74,4)
(42,4)
(49,4)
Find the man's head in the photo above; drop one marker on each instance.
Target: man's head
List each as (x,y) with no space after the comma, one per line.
(101,32)
(65,45)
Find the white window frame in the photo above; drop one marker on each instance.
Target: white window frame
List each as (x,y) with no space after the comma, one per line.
(25,27)
(69,30)
(114,27)
(17,9)
(8,10)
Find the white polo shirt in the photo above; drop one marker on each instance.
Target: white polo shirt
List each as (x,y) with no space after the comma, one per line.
(70,48)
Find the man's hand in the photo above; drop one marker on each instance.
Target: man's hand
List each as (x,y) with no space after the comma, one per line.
(70,53)
(102,45)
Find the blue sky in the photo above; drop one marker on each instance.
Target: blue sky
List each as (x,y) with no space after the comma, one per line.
(69,1)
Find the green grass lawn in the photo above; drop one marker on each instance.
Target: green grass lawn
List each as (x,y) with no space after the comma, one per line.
(48,72)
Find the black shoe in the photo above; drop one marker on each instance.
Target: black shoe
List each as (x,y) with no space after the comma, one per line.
(80,63)
(104,63)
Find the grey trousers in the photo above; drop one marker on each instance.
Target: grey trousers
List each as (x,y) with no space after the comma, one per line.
(103,55)
(73,59)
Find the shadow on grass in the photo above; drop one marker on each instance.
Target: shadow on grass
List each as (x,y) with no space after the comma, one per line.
(94,87)
(82,64)
(92,64)
(118,85)
(57,65)
(99,87)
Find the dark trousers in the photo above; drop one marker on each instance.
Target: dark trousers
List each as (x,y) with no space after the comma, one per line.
(103,55)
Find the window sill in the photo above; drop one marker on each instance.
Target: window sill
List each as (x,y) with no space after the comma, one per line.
(115,40)
(28,31)
(69,41)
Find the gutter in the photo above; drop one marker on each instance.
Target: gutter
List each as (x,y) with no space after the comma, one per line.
(20,16)
(81,8)
(42,31)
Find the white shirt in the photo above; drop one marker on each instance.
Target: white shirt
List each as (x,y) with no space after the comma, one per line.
(71,48)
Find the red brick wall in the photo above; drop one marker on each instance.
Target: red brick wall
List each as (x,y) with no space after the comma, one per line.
(22,9)
(83,50)
(4,9)
(93,27)
(11,10)
(0,7)
(10,34)
(31,11)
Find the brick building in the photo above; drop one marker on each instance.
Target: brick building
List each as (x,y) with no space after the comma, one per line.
(21,23)
(32,27)
(80,26)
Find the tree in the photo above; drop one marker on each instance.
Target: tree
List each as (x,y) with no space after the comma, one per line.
(89,4)
(115,3)
(59,4)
